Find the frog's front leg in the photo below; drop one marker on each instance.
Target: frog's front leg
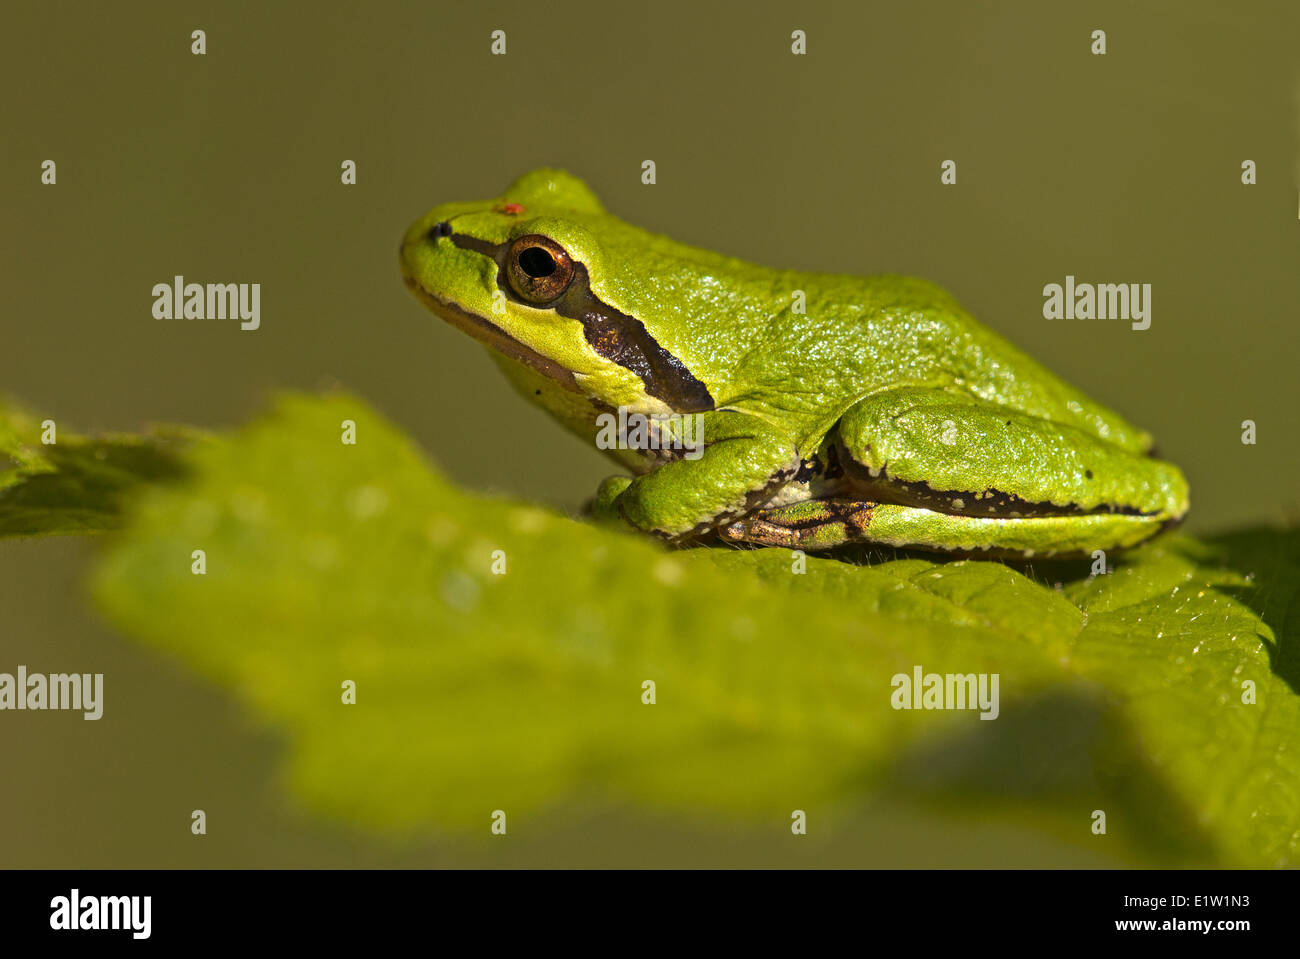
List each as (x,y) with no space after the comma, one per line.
(743,462)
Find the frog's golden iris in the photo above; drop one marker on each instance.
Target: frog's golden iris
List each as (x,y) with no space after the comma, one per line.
(539,268)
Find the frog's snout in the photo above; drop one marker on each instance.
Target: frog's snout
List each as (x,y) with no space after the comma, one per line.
(418,242)
(423,230)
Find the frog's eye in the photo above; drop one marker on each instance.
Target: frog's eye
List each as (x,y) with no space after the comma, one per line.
(538,267)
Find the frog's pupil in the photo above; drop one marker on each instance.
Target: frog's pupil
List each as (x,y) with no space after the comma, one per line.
(536,262)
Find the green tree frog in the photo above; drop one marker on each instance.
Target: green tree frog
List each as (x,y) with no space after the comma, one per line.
(832,409)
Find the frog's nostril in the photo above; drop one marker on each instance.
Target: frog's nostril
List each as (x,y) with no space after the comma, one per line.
(440,230)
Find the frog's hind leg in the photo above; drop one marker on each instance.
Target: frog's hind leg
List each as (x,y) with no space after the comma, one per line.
(811,524)
(951,471)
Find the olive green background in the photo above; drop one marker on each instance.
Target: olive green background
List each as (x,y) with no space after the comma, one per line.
(226,168)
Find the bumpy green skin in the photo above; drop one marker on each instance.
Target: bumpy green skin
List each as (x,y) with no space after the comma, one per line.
(888,373)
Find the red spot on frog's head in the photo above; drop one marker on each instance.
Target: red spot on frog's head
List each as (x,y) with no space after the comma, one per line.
(513,209)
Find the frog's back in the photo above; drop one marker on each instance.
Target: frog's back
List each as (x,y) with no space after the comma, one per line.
(811,344)
(863,335)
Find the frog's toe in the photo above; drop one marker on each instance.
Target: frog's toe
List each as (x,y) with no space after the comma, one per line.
(603,507)
(814,524)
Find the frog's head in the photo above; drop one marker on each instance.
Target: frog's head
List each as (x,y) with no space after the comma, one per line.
(516,272)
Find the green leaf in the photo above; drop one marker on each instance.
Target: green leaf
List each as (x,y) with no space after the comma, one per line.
(1177,636)
(483,687)
(76,484)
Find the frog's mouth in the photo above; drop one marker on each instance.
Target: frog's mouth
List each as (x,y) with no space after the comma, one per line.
(489,334)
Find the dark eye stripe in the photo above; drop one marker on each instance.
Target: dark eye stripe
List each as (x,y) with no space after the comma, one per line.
(625,340)
(620,338)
